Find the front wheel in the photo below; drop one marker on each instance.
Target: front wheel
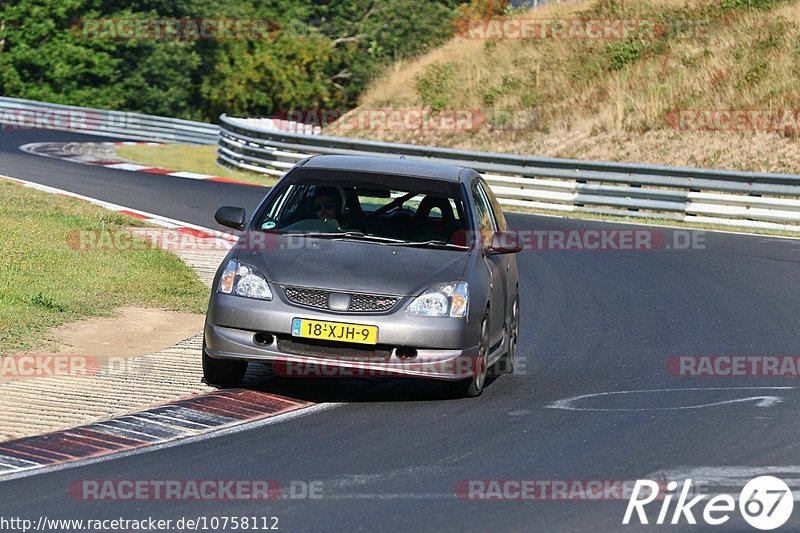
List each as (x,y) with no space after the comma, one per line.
(222,372)
(472,387)
(506,363)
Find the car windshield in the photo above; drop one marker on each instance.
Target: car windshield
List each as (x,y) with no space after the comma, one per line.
(381,208)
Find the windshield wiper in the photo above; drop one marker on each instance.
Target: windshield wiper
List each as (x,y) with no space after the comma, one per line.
(433,242)
(355,235)
(325,234)
(388,241)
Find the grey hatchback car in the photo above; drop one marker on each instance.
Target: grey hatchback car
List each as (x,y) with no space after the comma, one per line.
(368,266)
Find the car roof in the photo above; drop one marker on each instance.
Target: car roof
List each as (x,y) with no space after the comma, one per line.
(388,165)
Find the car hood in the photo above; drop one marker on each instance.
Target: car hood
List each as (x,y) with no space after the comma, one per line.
(351,266)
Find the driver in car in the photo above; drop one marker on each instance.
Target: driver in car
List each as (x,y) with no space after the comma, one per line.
(328,204)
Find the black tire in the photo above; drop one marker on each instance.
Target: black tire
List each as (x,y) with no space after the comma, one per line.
(222,372)
(506,363)
(470,388)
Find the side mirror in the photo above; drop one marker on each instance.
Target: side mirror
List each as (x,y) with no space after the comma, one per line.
(231,217)
(504,242)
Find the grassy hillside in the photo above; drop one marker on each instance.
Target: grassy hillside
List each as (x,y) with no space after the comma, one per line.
(616,99)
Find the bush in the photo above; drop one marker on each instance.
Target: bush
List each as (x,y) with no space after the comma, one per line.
(623,53)
(319,55)
(434,85)
(749,4)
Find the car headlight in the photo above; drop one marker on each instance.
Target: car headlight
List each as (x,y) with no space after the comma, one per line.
(446,299)
(244,280)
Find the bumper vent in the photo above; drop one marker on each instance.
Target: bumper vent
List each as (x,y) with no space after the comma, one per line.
(346,352)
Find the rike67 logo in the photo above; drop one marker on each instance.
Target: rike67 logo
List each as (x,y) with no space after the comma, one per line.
(765,503)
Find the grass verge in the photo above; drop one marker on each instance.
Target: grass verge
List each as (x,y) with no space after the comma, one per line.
(189,158)
(46,282)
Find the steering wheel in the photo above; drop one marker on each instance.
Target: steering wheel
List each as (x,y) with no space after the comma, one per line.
(333,222)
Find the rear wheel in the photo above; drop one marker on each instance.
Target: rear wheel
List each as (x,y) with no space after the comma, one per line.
(473,387)
(222,372)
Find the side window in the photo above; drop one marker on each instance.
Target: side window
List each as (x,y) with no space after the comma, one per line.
(279,205)
(499,218)
(483,215)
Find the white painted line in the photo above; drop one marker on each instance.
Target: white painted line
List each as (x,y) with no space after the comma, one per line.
(154,422)
(16,462)
(723,472)
(762,401)
(163,223)
(192,415)
(121,430)
(126,166)
(715,480)
(174,421)
(32,148)
(190,175)
(142,426)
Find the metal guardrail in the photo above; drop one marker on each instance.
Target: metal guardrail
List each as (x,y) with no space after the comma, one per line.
(728,198)
(16,113)
(747,199)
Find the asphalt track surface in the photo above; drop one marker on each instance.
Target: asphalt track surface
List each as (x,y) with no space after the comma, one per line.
(392,454)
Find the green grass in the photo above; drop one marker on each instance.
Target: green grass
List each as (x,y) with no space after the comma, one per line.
(44,282)
(189,158)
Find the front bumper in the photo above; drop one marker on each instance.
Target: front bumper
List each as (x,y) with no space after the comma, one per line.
(446,348)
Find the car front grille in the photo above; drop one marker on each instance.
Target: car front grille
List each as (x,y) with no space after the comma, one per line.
(359,303)
(369,303)
(307,297)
